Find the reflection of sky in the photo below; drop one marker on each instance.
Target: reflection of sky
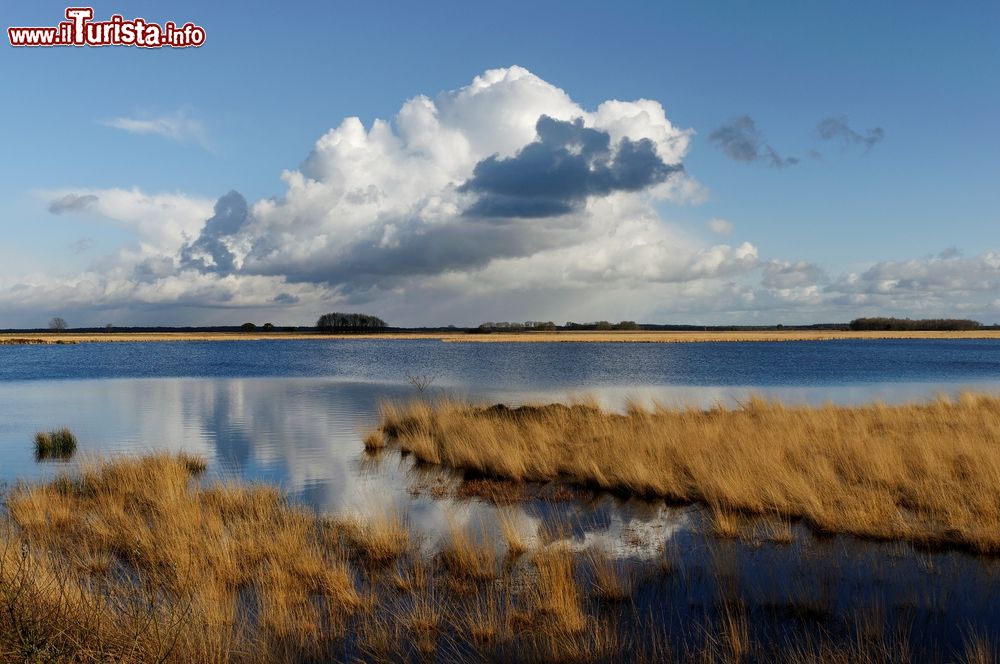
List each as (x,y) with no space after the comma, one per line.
(304,434)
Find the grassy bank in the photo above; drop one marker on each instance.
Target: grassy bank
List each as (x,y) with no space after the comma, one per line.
(925,473)
(500,337)
(134,560)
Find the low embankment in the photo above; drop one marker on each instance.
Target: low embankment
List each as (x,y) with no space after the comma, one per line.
(615,336)
(925,473)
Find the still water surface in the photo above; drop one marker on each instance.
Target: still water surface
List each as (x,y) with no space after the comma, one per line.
(292,413)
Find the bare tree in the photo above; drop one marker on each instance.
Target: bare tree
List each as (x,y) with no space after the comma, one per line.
(420,382)
(58,324)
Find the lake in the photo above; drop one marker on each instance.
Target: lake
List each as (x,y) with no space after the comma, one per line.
(293,413)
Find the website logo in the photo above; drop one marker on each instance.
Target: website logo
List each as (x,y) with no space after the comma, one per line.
(80,29)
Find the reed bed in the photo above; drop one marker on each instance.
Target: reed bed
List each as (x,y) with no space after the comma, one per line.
(927,473)
(138,560)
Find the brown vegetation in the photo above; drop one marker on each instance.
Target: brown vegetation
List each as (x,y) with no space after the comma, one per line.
(133,560)
(927,473)
(621,336)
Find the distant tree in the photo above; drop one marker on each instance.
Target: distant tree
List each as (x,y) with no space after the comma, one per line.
(247,327)
(109,328)
(602,325)
(58,324)
(341,322)
(627,325)
(268,327)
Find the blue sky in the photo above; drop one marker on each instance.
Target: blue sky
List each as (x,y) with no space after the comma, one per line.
(272,79)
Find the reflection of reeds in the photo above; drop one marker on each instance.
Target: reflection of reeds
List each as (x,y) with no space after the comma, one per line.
(56,444)
(927,473)
(133,561)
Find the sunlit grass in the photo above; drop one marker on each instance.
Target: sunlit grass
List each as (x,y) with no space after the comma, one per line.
(139,560)
(927,473)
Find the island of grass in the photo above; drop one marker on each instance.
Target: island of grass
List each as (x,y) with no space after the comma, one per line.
(924,473)
(55,444)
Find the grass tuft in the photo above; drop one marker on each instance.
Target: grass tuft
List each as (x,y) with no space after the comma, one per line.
(55,444)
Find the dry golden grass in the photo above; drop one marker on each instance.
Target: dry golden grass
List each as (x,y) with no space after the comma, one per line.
(134,561)
(639,336)
(469,554)
(374,441)
(140,536)
(90,337)
(611,583)
(378,539)
(516,545)
(558,594)
(617,336)
(927,473)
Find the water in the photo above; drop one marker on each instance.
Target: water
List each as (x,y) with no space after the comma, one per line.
(293,413)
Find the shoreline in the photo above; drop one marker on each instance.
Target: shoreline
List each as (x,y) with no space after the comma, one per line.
(639,336)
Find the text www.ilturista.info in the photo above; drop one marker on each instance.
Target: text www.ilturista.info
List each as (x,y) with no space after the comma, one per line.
(81,30)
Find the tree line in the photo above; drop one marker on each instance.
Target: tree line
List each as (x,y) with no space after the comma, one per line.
(923,324)
(549,326)
(341,322)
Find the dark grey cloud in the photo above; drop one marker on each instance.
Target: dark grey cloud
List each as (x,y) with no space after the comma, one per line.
(285,298)
(153,268)
(837,129)
(369,263)
(71,203)
(209,253)
(742,141)
(555,174)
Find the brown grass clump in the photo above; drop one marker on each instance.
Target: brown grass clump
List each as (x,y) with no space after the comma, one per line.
(927,473)
(558,594)
(130,560)
(466,555)
(56,444)
(374,440)
(611,583)
(516,545)
(379,539)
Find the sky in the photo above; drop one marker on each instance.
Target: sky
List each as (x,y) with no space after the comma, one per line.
(445,163)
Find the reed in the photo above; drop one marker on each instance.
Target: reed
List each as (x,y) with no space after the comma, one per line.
(927,473)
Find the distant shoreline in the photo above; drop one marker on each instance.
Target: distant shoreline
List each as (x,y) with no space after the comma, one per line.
(616,336)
